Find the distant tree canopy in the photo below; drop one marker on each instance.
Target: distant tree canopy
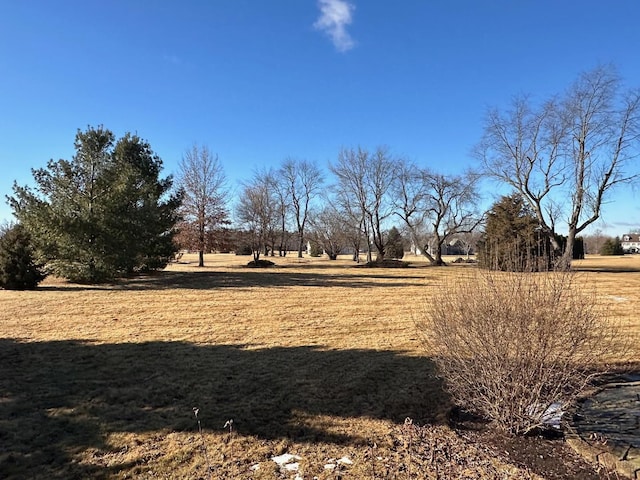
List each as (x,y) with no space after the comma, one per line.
(103,214)
(612,246)
(512,240)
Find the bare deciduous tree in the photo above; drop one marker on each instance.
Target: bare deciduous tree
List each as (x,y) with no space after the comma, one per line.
(452,205)
(282,200)
(469,241)
(593,243)
(364,180)
(435,207)
(303,180)
(354,219)
(330,229)
(256,212)
(202,179)
(565,155)
(410,195)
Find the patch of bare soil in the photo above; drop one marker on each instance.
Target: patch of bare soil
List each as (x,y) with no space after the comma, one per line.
(544,454)
(551,458)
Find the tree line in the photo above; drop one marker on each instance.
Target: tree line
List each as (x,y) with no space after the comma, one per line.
(108,212)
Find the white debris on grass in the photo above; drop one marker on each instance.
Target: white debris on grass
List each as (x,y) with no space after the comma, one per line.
(617,299)
(255,467)
(287,462)
(292,467)
(551,416)
(333,463)
(290,463)
(285,458)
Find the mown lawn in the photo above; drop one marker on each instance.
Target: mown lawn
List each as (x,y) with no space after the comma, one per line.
(314,358)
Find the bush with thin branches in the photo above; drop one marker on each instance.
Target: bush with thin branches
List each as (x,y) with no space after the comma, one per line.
(512,345)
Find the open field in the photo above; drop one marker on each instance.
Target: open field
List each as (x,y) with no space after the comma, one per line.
(315,358)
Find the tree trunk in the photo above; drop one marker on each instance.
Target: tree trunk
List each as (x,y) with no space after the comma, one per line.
(300,245)
(368,242)
(437,259)
(201,239)
(356,252)
(564,263)
(423,248)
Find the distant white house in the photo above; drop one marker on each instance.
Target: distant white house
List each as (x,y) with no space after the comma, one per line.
(631,243)
(455,246)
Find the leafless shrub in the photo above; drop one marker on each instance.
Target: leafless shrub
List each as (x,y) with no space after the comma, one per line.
(512,345)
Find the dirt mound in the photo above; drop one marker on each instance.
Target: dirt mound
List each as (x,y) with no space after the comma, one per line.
(386,264)
(260,264)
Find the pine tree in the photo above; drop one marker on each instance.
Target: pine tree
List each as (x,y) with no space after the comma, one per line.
(512,240)
(394,246)
(18,267)
(103,214)
(612,246)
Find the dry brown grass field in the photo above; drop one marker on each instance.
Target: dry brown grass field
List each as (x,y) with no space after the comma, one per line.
(314,358)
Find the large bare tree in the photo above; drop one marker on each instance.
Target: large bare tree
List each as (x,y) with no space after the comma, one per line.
(435,207)
(354,220)
(256,212)
(303,181)
(452,205)
(331,230)
(410,197)
(202,179)
(565,155)
(282,204)
(364,181)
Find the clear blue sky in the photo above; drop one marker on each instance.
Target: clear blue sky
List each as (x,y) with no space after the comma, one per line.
(259,80)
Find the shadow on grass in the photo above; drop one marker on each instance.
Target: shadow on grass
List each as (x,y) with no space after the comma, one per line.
(609,269)
(247,278)
(61,397)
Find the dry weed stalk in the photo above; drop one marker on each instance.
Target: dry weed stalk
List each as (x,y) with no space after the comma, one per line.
(407,433)
(511,345)
(196,411)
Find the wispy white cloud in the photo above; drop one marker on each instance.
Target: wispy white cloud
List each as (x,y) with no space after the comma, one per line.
(625,224)
(335,16)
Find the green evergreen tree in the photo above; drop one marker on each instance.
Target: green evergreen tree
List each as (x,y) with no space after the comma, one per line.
(394,247)
(612,246)
(103,214)
(512,240)
(18,267)
(315,249)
